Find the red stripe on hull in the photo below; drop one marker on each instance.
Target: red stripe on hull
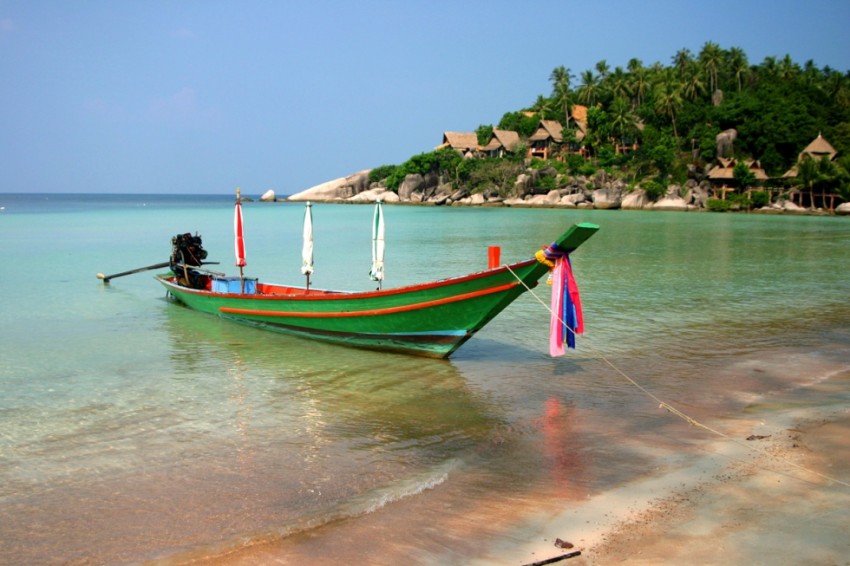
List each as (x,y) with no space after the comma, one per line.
(371,312)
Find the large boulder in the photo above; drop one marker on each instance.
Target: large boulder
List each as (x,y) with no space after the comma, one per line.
(412,183)
(697,194)
(636,200)
(573,199)
(843,209)
(268,196)
(672,200)
(607,198)
(342,188)
(725,140)
(374,195)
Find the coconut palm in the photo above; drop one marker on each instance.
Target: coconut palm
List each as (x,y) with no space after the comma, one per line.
(542,106)
(623,120)
(588,92)
(640,84)
(738,65)
(603,69)
(561,76)
(788,69)
(563,98)
(668,98)
(692,84)
(711,59)
(618,83)
(683,59)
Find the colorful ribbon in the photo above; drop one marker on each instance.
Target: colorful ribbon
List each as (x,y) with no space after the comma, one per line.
(566,320)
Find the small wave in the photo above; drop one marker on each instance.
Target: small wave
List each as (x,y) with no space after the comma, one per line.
(356,507)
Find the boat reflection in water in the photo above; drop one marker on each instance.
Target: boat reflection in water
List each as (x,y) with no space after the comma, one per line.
(300,434)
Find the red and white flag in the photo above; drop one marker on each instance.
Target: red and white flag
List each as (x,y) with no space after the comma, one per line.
(237,228)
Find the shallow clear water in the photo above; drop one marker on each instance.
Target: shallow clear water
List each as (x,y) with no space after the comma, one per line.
(132,429)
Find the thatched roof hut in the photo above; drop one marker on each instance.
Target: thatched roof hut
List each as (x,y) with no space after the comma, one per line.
(725,170)
(464,142)
(817,150)
(548,131)
(502,141)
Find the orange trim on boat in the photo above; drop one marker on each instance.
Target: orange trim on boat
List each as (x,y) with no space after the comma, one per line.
(371,312)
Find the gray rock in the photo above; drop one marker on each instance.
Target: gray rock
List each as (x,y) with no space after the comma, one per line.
(608,198)
(636,200)
(342,188)
(412,183)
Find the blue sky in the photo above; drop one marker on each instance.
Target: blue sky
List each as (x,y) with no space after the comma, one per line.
(204,96)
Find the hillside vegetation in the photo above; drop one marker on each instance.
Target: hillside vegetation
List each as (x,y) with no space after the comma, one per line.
(669,117)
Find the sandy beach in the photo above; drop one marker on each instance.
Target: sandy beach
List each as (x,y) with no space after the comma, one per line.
(771,504)
(775,490)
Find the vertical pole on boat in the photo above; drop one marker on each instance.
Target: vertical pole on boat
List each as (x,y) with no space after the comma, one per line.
(307,249)
(377,271)
(239,240)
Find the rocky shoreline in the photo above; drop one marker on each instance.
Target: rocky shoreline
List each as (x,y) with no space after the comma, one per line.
(601,191)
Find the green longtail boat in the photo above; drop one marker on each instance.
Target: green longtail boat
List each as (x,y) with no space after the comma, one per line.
(430,319)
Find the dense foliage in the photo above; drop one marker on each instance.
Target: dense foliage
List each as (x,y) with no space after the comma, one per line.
(675,111)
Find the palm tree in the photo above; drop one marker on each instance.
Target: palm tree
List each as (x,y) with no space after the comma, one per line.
(640,84)
(618,83)
(711,58)
(603,69)
(623,120)
(692,85)
(560,76)
(668,98)
(588,92)
(542,106)
(788,69)
(738,65)
(769,67)
(683,59)
(563,97)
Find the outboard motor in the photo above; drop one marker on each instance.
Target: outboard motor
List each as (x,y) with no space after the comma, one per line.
(188,251)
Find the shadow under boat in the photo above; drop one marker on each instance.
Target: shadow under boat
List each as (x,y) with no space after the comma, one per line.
(389,395)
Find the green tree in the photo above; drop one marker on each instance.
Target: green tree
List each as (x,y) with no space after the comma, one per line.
(743,176)
(738,66)
(484,133)
(711,59)
(668,99)
(588,92)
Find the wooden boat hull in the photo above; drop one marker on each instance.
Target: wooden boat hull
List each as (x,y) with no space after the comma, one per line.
(431,319)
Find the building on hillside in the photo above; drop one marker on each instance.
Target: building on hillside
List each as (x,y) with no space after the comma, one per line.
(548,134)
(501,142)
(464,142)
(817,150)
(724,172)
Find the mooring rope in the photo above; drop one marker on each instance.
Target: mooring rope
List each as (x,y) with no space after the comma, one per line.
(670,408)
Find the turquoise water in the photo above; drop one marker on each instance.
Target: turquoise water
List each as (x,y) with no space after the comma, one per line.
(132,429)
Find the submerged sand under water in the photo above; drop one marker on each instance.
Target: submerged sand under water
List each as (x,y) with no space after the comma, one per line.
(767,485)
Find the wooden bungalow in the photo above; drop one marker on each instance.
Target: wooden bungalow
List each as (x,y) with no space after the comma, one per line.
(501,142)
(541,142)
(464,142)
(724,172)
(818,149)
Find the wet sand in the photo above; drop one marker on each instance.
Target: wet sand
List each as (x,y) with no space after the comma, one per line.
(735,506)
(764,494)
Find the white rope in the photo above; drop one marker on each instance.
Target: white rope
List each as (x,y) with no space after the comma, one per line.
(670,408)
